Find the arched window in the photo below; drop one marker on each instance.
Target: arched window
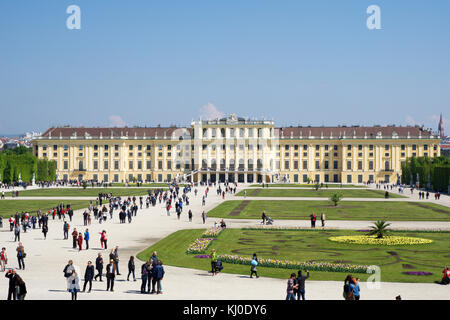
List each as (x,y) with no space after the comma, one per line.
(232,165)
(250,164)
(241,164)
(259,164)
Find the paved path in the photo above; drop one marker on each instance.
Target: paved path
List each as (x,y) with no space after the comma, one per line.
(47,258)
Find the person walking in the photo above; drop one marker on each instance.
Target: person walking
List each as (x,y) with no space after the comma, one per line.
(3,259)
(313,220)
(73,284)
(74,238)
(204,217)
(86,238)
(66,230)
(88,276)
(21,255)
(300,281)
(45,231)
(17,232)
(131,269)
(291,286)
(348,295)
(190,215)
(13,284)
(213,261)
(110,275)
(322,218)
(103,239)
(354,288)
(254,264)
(99,267)
(116,259)
(80,241)
(22,289)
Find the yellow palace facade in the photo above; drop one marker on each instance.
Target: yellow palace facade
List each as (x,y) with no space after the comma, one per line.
(235,149)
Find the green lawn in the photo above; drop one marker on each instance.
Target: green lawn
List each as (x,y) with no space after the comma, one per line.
(303,185)
(304,245)
(10,207)
(80,192)
(346,210)
(363,193)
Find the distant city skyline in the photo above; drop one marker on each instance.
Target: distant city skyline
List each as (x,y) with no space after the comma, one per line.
(146,63)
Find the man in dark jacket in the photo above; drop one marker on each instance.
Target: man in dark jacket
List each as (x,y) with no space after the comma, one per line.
(88,276)
(300,280)
(157,276)
(13,283)
(99,267)
(110,275)
(154,259)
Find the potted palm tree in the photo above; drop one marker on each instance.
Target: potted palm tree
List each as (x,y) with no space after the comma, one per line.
(379,229)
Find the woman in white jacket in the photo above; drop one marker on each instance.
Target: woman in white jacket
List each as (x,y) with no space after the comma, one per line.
(73,285)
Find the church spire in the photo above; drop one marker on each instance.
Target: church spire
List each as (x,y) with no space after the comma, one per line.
(441,127)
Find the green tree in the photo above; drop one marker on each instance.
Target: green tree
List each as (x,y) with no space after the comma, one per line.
(42,170)
(335,198)
(52,170)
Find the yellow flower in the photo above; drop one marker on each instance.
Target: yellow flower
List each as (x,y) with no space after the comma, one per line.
(387,241)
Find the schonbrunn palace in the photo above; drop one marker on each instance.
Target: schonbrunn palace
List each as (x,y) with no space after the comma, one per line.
(235,149)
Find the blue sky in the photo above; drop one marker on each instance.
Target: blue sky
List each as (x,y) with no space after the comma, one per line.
(145,62)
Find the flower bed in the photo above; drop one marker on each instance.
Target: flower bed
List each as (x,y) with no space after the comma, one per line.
(287,264)
(418,273)
(203,256)
(199,245)
(212,232)
(273,228)
(386,241)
